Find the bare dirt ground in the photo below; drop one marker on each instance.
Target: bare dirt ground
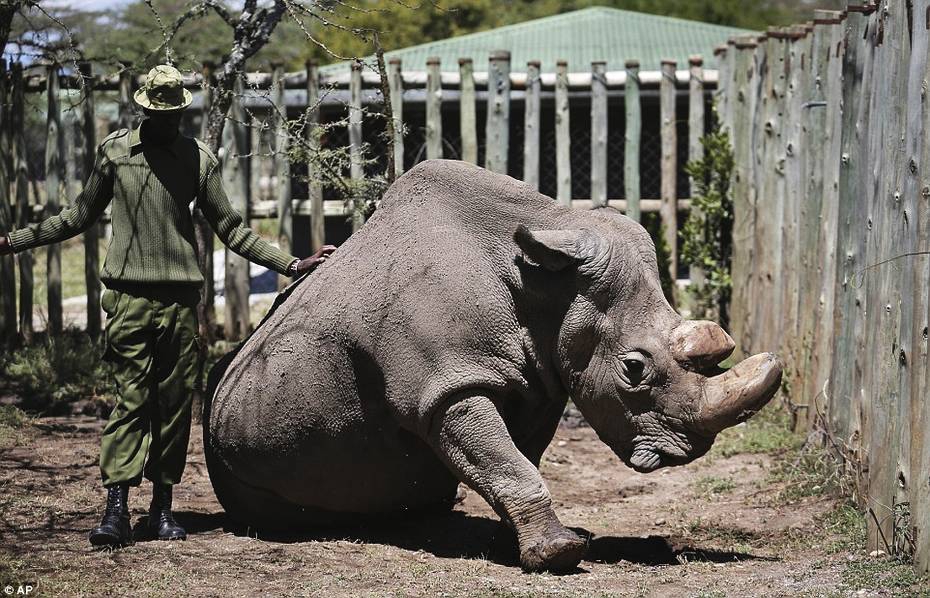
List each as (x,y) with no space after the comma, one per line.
(719,527)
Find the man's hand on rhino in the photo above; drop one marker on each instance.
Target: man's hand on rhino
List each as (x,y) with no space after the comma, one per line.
(311,263)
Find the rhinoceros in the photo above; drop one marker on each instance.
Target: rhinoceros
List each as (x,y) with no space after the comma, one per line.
(442,342)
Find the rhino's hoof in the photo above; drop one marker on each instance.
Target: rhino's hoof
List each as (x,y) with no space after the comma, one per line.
(556,553)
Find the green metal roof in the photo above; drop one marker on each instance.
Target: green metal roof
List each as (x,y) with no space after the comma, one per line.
(580,37)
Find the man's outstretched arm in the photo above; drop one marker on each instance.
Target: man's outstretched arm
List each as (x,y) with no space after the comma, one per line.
(229,228)
(72,221)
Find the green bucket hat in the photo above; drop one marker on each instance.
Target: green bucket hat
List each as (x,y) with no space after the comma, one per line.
(163,90)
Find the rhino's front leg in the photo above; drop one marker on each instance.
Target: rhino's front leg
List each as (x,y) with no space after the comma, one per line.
(471,437)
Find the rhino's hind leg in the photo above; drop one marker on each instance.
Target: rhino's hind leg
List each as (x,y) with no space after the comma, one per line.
(472,439)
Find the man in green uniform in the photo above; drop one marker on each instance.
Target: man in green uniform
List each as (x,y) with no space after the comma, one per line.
(154,177)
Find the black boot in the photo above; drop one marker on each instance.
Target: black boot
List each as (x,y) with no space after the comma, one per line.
(114,531)
(161,521)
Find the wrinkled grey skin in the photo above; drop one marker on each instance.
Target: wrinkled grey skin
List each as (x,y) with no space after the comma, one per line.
(441,342)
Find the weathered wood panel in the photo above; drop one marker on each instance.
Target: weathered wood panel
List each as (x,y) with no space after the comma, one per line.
(851,172)
(312,133)
(632,138)
(497,134)
(24,259)
(531,126)
(599,134)
(282,171)
(696,127)
(235,164)
(356,169)
(54,181)
(92,234)
(7,271)
(467,118)
(563,139)
(669,133)
(433,109)
(396,85)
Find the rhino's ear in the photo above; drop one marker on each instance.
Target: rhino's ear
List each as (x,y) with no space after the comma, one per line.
(556,250)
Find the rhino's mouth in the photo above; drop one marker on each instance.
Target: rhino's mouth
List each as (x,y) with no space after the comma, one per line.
(645,460)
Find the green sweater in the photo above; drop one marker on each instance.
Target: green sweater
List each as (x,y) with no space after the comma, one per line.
(153,189)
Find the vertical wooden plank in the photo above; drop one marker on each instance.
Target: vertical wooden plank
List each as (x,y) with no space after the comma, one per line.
(355,137)
(743,106)
(433,109)
(312,131)
(920,360)
(468,120)
(669,209)
(794,151)
(884,281)
(829,212)
(598,134)
(126,111)
(845,371)
(814,116)
(497,135)
(54,179)
(531,126)
(563,138)
(282,173)
(913,284)
(396,84)
(696,127)
(25,259)
(92,234)
(7,271)
(235,149)
(632,138)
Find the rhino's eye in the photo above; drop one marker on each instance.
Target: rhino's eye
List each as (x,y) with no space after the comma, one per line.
(635,368)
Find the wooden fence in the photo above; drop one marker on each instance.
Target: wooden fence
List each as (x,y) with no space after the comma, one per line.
(830,125)
(496,87)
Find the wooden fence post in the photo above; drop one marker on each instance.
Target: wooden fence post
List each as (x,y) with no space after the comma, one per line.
(632,139)
(742,109)
(563,138)
(598,134)
(396,83)
(25,259)
(531,126)
(468,120)
(282,174)
(7,270)
(355,139)
(914,280)
(92,234)
(54,178)
(433,109)
(312,132)
(235,148)
(696,127)
(669,211)
(497,136)
(920,359)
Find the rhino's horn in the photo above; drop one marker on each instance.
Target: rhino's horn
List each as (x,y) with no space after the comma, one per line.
(700,344)
(736,395)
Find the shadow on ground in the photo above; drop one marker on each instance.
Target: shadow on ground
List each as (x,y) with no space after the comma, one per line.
(458,535)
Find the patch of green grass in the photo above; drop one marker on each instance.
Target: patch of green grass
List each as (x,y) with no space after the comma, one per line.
(712,485)
(14,427)
(52,372)
(846,525)
(884,575)
(769,431)
(812,472)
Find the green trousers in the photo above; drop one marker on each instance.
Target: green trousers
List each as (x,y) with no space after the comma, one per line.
(152,342)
